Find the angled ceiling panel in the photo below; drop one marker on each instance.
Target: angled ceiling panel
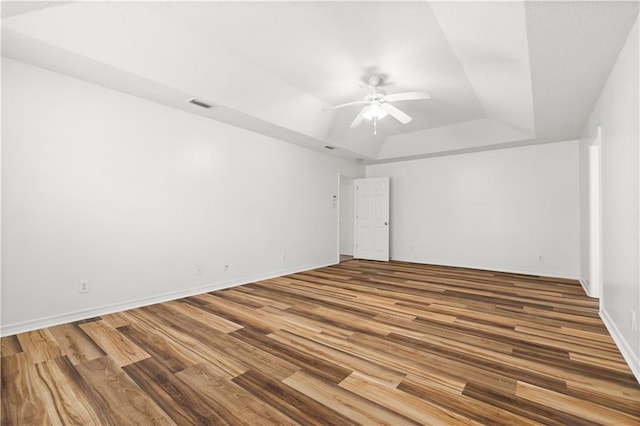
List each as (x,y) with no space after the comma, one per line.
(524,72)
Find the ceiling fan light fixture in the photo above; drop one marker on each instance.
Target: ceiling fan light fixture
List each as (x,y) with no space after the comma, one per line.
(374,111)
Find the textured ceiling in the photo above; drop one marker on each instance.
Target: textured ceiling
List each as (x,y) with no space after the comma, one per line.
(13,8)
(569,70)
(499,72)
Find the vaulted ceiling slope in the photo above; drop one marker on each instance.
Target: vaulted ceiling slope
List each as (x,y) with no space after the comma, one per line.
(499,73)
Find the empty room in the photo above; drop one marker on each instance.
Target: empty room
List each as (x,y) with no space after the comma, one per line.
(320,213)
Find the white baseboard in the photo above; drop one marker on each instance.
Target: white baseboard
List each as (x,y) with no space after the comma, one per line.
(585,287)
(625,349)
(589,291)
(38,323)
(490,268)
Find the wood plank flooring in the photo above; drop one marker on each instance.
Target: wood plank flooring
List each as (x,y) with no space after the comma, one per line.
(357,343)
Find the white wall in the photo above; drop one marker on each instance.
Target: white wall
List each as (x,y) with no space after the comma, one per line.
(617,111)
(132,196)
(346,215)
(497,210)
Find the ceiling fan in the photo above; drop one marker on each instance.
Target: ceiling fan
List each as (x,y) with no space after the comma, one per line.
(378,103)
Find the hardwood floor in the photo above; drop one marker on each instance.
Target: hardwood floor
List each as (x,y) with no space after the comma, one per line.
(360,342)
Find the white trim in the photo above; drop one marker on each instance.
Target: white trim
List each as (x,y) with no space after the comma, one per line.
(21,327)
(595,214)
(339,206)
(625,349)
(490,268)
(585,286)
(352,250)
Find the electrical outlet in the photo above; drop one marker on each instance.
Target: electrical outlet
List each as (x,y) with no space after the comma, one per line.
(284,257)
(634,321)
(226,266)
(540,258)
(199,270)
(83,286)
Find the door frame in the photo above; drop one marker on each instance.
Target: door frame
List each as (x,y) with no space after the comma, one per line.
(595,214)
(342,176)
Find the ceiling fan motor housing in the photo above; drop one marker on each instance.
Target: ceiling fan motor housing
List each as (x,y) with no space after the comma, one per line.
(374,80)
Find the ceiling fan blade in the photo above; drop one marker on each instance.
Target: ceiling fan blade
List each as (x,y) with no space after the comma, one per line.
(396,113)
(359,118)
(407,96)
(347,104)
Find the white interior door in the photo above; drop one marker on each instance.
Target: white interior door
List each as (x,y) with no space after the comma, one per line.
(372,218)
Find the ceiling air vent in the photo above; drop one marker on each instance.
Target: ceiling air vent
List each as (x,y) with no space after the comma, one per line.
(330,147)
(200,103)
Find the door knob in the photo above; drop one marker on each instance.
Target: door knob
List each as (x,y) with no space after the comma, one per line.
(386,223)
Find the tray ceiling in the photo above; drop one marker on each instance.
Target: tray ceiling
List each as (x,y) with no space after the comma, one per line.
(500,73)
